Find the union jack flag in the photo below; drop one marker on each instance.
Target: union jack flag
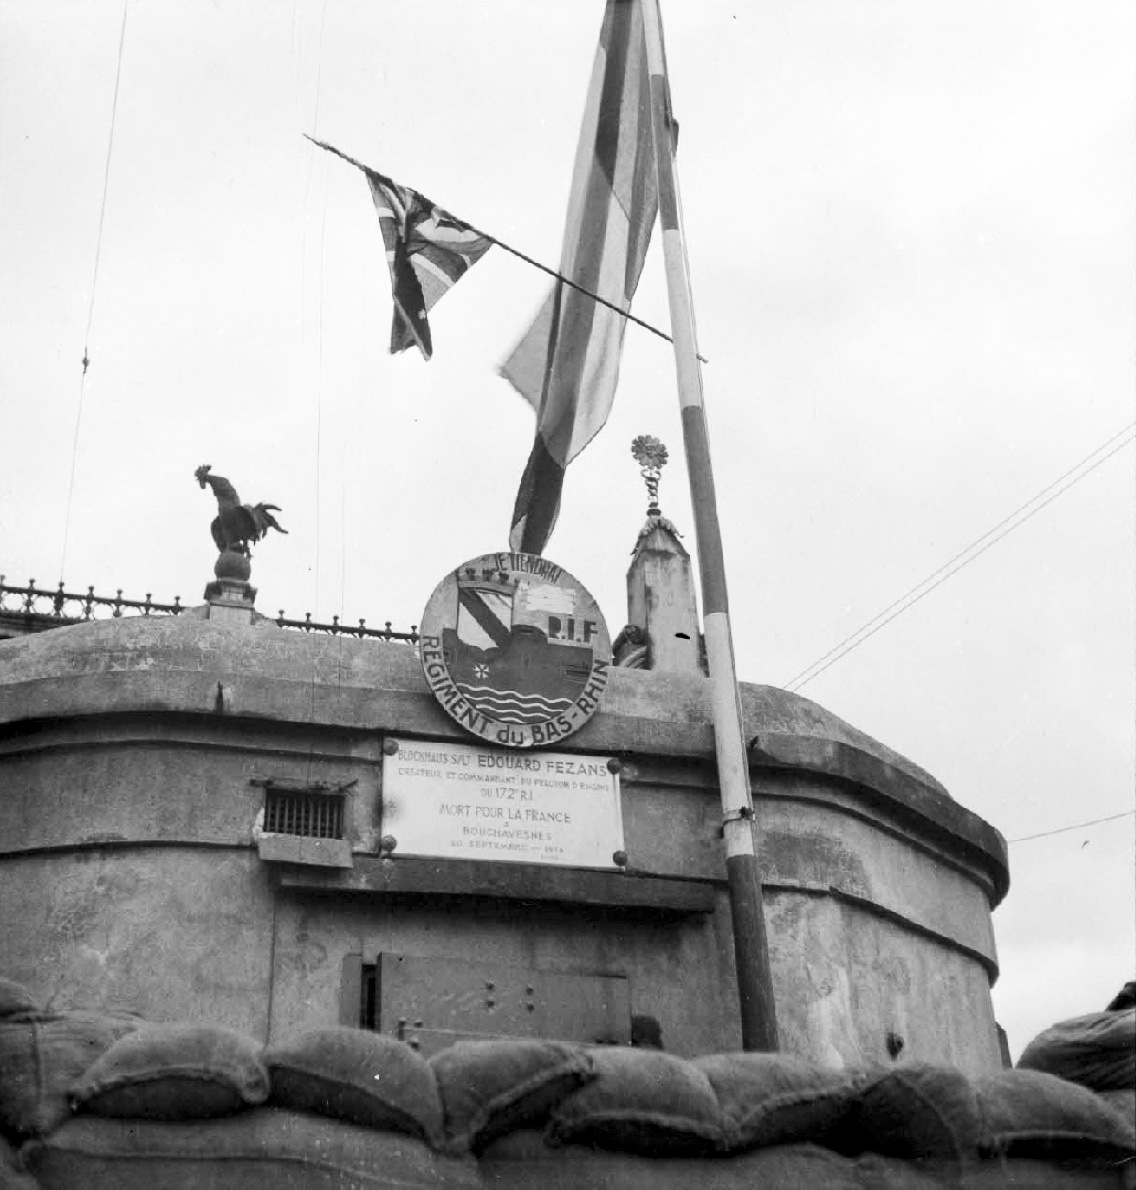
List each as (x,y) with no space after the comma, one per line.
(428,250)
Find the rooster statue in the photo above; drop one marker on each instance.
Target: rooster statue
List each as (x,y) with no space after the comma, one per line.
(236,524)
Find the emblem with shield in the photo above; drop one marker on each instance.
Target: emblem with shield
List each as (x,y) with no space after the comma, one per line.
(515,649)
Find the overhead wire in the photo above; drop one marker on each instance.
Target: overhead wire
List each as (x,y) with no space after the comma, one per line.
(86,361)
(965,556)
(319,305)
(1061,830)
(319,347)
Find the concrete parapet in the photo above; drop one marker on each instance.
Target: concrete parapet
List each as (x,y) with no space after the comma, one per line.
(133,760)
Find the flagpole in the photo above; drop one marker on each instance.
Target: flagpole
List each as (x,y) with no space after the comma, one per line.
(751,952)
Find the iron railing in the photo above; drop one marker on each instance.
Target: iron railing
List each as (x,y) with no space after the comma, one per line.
(48,608)
(335,628)
(69,607)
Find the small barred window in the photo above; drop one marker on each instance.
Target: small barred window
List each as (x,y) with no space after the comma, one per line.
(314,815)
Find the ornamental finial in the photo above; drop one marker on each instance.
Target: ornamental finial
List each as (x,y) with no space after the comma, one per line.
(651,455)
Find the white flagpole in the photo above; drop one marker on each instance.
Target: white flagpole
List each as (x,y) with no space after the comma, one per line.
(751,952)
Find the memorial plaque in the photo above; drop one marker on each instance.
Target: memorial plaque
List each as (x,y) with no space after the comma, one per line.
(464,802)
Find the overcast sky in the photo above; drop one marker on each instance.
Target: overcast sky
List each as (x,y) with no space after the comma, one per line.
(911,236)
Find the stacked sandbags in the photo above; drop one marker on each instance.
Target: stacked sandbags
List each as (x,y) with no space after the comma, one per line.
(182,1107)
(185,1106)
(1097,1051)
(773,1121)
(189,1106)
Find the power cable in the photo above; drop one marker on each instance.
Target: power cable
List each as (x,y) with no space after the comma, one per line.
(319,307)
(106,185)
(967,555)
(91,304)
(797,684)
(895,603)
(1075,826)
(319,364)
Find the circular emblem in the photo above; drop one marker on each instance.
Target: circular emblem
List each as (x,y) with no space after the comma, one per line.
(515,649)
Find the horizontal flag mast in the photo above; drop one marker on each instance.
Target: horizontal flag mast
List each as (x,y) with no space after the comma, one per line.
(514,252)
(579,288)
(751,951)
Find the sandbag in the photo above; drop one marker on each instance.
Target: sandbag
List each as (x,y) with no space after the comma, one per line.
(263,1148)
(12,1175)
(173,1072)
(522,1160)
(642,1101)
(42,1055)
(494,1086)
(918,1111)
(359,1076)
(1097,1051)
(1123,1102)
(775,1099)
(1027,1113)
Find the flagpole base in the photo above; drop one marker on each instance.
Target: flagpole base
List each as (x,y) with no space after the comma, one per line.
(755,987)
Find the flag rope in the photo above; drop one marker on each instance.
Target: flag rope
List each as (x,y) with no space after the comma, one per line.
(513,251)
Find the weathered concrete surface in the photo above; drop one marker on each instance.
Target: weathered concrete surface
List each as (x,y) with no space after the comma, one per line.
(206,667)
(138,778)
(173,934)
(845,978)
(129,756)
(129,779)
(678,969)
(660,599)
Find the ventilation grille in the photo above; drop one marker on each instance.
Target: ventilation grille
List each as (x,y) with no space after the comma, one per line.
(312,815)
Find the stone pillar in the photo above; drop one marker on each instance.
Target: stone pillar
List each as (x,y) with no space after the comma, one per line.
(661,600)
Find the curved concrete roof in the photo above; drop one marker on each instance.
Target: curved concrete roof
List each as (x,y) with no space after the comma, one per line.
(188,664)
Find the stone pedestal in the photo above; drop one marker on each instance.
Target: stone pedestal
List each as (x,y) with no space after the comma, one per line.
(231,596)
(230,600)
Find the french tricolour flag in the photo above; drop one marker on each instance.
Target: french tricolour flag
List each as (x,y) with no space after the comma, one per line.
(567,364)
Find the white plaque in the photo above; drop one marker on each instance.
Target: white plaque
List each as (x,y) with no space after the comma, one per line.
(464,802)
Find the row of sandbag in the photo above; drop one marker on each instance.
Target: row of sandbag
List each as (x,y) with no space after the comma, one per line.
(56,1064)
